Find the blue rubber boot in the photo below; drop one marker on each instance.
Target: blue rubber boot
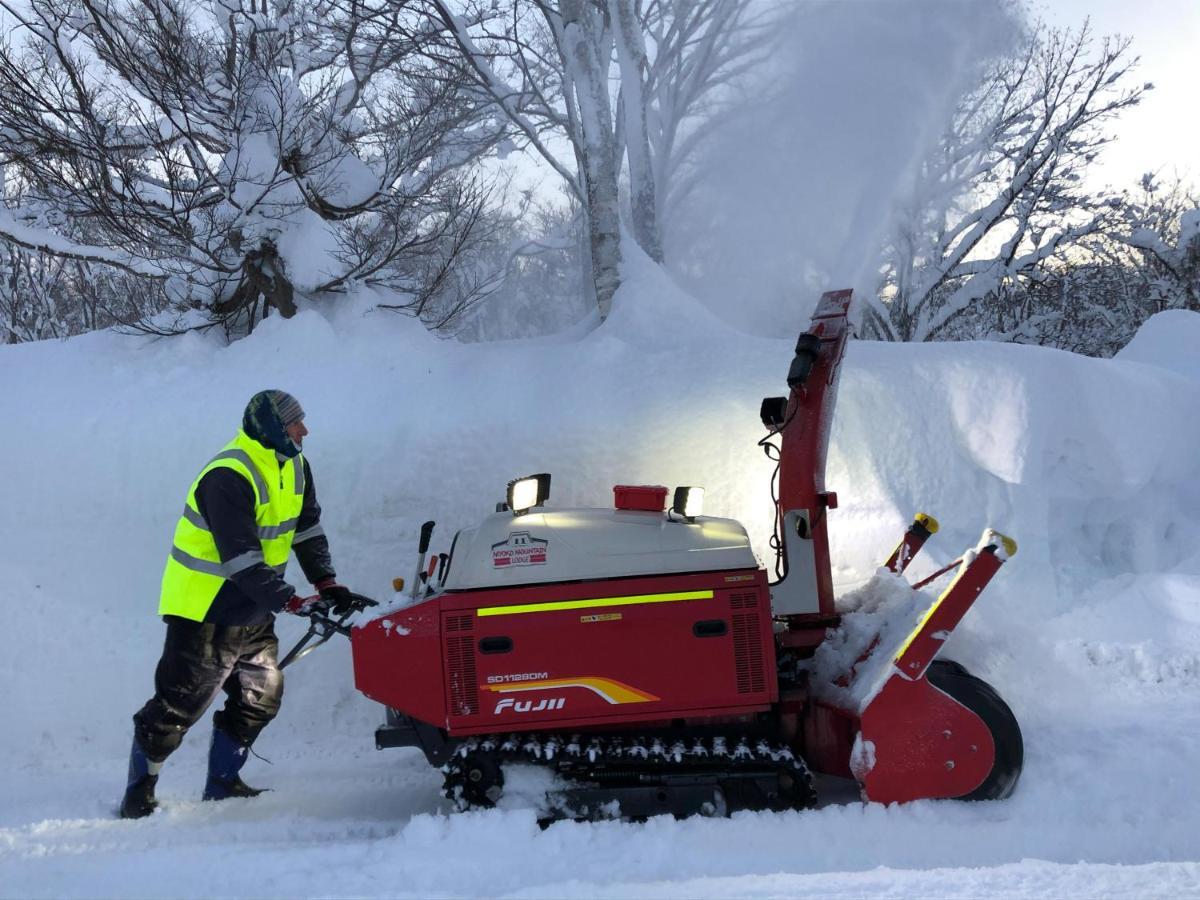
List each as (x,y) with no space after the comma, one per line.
(139,799)
(226,756)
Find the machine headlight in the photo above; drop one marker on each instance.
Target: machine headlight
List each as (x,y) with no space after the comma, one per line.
(528,492)
(688,502)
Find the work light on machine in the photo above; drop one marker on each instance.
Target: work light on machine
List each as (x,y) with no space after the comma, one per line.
(526,493)
(688,502)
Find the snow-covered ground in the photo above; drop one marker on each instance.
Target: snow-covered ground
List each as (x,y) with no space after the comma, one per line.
(1092,632)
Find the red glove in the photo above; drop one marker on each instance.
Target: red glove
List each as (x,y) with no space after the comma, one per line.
(302,606)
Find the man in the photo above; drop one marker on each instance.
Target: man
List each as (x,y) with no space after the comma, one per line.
(223,584)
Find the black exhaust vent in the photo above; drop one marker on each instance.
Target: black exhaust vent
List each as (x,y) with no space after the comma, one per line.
(459,623)
(464,688)
(748,654)
(744,600)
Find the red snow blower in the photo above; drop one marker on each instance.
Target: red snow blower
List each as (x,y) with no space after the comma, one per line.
(643,655)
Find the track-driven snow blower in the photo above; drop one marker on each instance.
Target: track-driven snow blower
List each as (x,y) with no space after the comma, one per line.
(643,655)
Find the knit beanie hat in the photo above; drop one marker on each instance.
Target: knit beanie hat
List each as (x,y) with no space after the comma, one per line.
(266,419)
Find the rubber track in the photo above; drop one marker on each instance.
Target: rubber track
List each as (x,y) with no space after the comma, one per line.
(602,759)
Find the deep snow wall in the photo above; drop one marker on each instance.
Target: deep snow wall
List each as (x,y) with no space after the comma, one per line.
(1090,632)
(1090,464)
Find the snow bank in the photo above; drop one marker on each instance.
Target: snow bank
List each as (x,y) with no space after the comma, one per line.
(1169,340)
(1090,632)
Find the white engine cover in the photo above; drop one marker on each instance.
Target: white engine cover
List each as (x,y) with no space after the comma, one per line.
(582,544)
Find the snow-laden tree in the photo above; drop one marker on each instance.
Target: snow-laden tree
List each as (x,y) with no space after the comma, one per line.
(238,151)
(1003,193)
(1158,234)
(598,88)
(44,296)
(1094,299)
(1087,306)
(30,293)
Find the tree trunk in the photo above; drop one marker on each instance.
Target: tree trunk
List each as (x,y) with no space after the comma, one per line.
(631,56)
(580,28)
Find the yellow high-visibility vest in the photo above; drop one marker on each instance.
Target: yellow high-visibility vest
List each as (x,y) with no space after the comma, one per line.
(194,571)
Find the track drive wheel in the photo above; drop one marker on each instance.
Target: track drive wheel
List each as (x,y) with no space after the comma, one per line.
(482,779)
(794,789)
(981,698)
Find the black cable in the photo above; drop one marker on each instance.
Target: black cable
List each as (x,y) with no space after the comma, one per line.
(775,453)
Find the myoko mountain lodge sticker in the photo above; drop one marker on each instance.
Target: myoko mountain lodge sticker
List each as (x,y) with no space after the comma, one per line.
(519,550)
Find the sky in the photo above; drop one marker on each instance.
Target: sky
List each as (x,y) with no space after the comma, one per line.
(1163,132)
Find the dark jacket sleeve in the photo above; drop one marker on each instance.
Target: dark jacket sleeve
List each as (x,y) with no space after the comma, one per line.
(226,500)
(311,546)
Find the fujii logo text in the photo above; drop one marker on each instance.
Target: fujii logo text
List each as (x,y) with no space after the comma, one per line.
(528,706)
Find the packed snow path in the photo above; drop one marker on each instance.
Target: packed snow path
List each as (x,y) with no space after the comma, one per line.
(1090,633)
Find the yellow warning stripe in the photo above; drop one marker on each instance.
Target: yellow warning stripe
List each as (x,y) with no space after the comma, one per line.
(589,604)
(927,615)
(613,691)
(1010,547)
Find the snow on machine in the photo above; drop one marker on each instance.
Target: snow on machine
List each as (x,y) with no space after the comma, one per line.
(643,655)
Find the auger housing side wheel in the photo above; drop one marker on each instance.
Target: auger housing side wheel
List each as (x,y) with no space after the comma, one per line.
(981,698)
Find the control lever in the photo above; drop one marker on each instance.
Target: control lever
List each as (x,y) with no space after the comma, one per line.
(422,549)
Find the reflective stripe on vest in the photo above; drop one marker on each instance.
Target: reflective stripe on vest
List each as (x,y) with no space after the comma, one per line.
(194,571)
(256,477)
(266,532)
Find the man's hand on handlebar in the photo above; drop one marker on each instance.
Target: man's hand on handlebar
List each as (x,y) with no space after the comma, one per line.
(325,619)
(341,599)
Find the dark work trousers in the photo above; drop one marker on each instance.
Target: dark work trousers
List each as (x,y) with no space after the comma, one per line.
(198,661)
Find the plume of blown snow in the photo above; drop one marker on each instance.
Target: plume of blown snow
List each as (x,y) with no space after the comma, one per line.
(797,183)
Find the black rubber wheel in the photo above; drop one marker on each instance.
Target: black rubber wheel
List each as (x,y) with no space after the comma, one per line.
(981,698)
(949,666)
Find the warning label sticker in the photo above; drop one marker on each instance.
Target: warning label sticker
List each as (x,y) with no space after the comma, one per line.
(521,549)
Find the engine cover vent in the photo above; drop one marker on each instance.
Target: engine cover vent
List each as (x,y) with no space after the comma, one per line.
(459,623)
(748,653)
(464,688)
(743,600)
